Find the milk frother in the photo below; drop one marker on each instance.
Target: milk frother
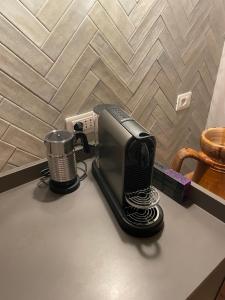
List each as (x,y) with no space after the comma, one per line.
(60,145)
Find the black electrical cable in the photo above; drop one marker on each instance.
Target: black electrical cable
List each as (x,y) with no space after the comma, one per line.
(45,174)
(84,175)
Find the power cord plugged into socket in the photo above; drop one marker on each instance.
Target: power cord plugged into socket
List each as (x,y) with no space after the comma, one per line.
(87,119)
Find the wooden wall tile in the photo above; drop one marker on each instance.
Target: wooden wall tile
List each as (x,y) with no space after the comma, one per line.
(6,151)
(51,12)
(16,68)
(73,80)
(110,31)
(20,158)
(25,141)
(22,119)
(78,98)
(119,17)
(140,11)
(128,5)
(106,51)
(147,44)
(147,23)
(63,31)
(148,61)
(26,99)
(16,13)
(3,126)
(12,38)
(33,5)
(72,52)
(60,58)
(106,76)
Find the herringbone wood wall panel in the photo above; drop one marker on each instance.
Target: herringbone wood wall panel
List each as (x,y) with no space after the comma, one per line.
(59,58)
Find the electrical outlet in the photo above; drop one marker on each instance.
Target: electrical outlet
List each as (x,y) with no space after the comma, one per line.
(183,101)
(88,120)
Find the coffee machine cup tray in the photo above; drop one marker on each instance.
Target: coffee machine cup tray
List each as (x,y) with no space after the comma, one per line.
(134,221)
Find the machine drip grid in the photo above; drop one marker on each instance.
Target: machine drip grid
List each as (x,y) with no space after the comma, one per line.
(142,216)
(143,198)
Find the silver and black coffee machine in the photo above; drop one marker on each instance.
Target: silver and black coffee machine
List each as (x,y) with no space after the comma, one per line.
(123,169)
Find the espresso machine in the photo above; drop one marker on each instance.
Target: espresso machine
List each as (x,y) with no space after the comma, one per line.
(123,169)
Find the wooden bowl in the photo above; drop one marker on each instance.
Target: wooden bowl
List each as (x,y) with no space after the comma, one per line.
(213,143)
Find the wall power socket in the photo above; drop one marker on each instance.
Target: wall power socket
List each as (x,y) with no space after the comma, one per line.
(88,120)
(183,101)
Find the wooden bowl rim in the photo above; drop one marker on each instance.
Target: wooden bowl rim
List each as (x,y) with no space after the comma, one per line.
(209,142)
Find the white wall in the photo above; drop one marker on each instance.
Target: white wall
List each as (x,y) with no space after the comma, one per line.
(216,116)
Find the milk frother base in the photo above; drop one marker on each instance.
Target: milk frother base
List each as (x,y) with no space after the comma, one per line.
(125,215)
(64,187)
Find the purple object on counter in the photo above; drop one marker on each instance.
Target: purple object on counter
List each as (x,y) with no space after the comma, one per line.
(178,177)
(171,183)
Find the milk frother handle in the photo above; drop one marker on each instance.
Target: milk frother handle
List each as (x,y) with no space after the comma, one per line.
(84,141)
(78,127)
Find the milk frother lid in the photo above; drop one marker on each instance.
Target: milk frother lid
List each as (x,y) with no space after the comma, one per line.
(59,142)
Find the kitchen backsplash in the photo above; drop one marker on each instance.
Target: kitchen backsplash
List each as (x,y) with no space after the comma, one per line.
(59,58)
